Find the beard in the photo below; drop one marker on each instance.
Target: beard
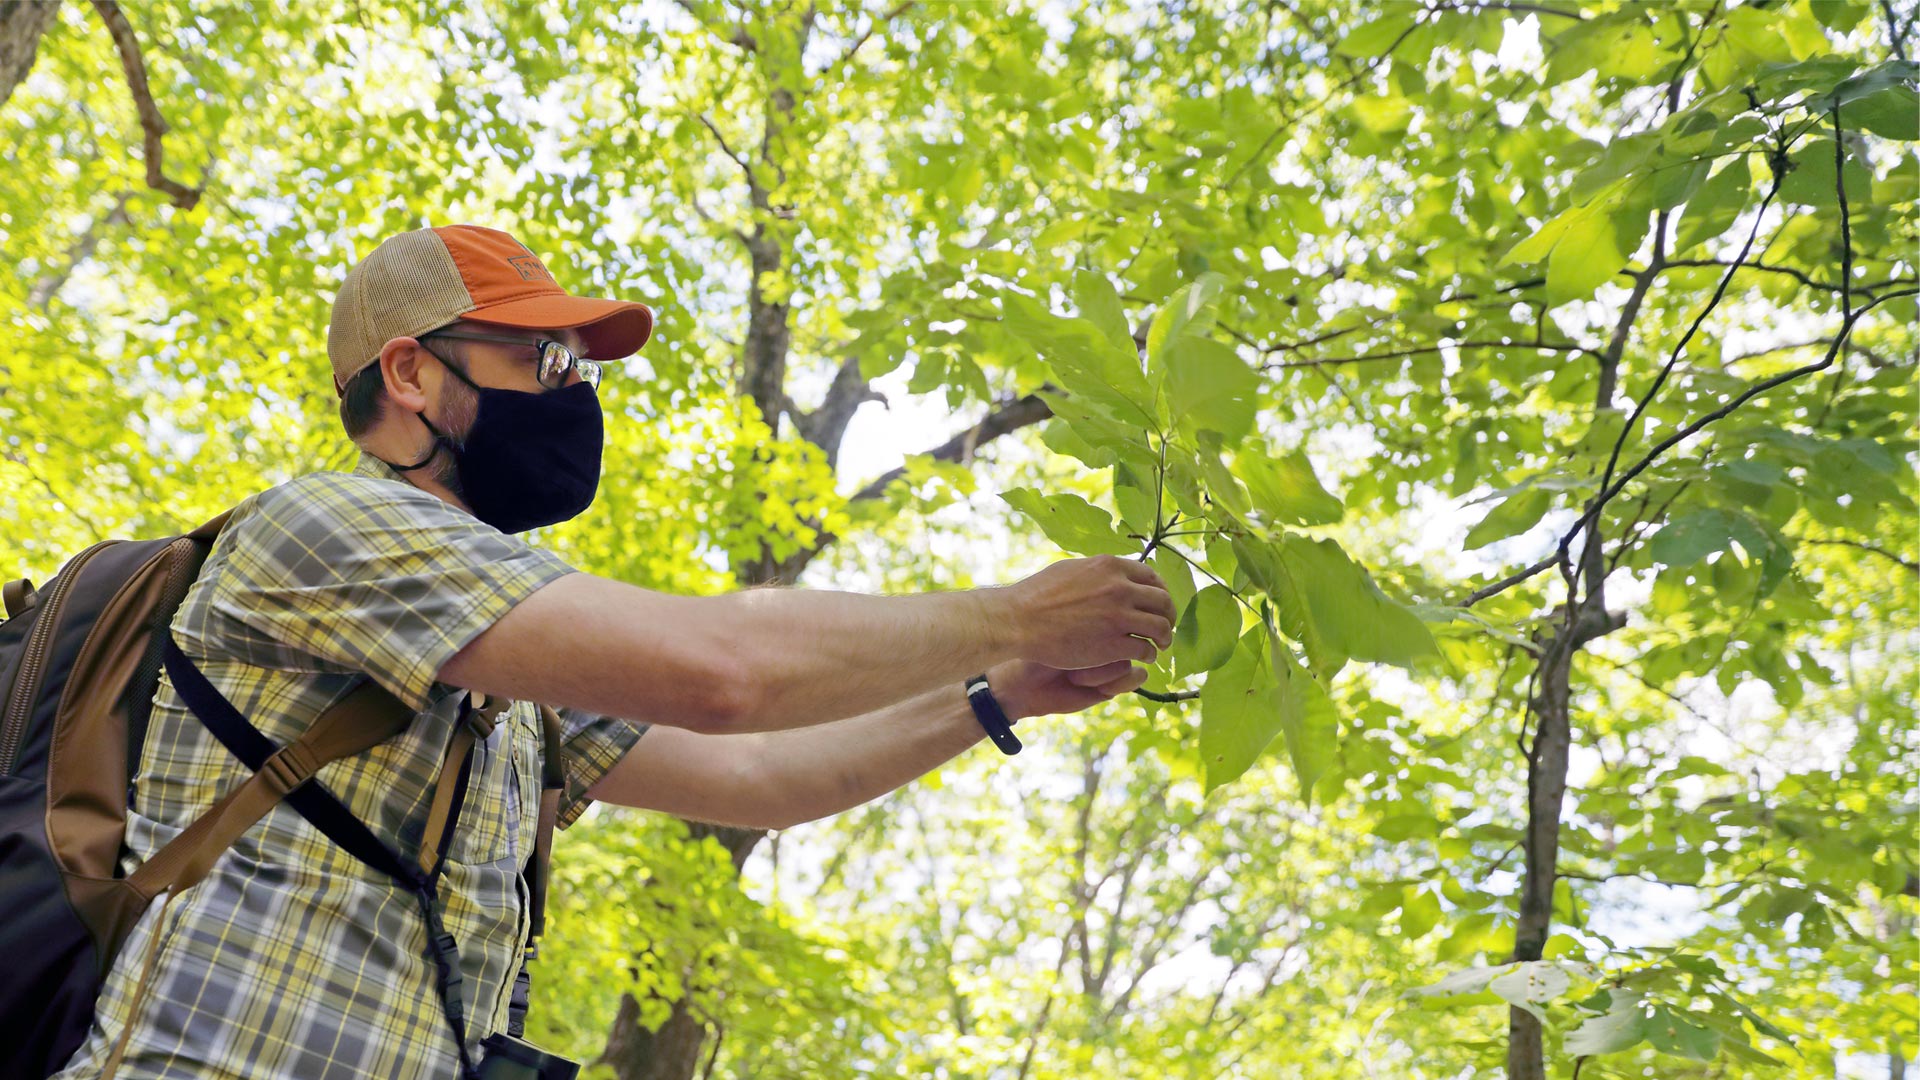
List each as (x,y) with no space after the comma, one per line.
(459,405)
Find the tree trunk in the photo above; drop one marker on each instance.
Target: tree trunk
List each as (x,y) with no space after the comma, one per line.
(21,25)
(1550,708)
(672,1052)
(1546,792)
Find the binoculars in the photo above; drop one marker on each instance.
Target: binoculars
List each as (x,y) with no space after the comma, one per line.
(503,1057)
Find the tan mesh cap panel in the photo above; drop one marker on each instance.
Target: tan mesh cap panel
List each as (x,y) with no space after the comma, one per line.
(405,287)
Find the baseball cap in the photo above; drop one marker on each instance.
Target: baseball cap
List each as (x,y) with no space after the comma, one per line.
(423,279)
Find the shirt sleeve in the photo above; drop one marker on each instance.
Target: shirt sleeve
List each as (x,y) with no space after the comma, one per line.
(590,746)
(340,573)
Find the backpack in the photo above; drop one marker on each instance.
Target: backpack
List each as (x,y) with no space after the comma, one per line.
(80,660)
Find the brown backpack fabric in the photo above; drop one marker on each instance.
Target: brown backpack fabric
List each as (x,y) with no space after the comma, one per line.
(80,659)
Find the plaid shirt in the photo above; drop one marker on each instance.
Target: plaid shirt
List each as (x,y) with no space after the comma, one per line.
(293,959)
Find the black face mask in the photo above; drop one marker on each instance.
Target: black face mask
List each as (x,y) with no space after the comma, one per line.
(529,459)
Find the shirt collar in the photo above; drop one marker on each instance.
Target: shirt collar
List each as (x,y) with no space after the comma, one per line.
(368,465)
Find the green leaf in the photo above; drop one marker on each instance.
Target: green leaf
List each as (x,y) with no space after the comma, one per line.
(1175,574)
(1810,183)
(1540,244)
(1419,913)
(1071,522)
(1347,609)
(1209,388)
(1088,364)
(1841,15)
(1693,536)
(1586,257)
(1269,573)
(1060,437)
(1675,182)
(1893,113)
(1206,471)
(1758,34)
(1514,515)
(1237,714)
(1101,306)
(1672,1033)
(1133,492)
(1714,207)
(1101,431)
(1621,1027)
(1286,490)
(1530,985)
(1208,628)
(1307,719)
(1188,310)
(1375,38)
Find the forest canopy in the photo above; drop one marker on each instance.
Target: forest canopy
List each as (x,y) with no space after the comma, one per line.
(1518,399)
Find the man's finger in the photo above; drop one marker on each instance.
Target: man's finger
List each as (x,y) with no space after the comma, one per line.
(1133,680)
(1095,676)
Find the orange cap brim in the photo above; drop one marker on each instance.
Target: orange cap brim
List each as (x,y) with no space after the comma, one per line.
(609,329)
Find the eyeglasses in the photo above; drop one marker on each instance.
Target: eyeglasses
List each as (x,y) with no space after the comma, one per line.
(555,359)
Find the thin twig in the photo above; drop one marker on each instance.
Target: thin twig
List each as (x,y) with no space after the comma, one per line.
(1400,354)
(152,125)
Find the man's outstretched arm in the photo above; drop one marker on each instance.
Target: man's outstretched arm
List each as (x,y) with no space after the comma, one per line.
(777,779)
(773,659)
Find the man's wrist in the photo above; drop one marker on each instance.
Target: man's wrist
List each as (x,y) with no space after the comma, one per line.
(996,613)
(1000,680)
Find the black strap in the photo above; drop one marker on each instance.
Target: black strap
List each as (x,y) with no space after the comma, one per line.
(986,709)
(324,812)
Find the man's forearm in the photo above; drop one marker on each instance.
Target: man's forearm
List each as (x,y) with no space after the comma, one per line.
(811,773)
(815,656)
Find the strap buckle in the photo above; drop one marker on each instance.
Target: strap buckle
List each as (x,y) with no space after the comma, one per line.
(482,713)
(287,768)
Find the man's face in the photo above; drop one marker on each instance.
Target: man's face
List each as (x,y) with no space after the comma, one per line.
(491,364)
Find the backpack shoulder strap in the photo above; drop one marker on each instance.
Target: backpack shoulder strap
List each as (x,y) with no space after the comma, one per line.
(356,723)
(553,780)
(211,528)
(366,717)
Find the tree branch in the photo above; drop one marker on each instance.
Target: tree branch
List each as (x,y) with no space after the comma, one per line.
(1871,357)
(1800,276)
(1607,490)
(1008,418)
(1909,564)
(48,285)
(1324,98)
(1400,354)
(826,426)
(152,125)
(738,36)
(1896,34)
(876,24)
(21,26)
(726,149)
(1745,396)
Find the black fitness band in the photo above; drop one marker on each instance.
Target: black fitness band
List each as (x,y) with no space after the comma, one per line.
(991,716)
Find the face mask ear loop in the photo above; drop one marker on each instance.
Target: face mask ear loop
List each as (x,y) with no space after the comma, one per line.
(439,441)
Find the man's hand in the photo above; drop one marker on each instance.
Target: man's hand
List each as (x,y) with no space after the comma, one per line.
(1085,613)
(1025,688)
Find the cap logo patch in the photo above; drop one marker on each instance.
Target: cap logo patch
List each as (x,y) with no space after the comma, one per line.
(530,268)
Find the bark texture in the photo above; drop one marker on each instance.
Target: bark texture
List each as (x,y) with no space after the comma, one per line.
(21,24)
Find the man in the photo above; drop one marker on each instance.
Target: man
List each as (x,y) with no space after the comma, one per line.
(467,377)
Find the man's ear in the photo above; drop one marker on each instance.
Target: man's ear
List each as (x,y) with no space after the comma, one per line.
(411,381)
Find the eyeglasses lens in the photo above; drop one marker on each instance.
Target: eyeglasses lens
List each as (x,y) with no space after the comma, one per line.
(556,360)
